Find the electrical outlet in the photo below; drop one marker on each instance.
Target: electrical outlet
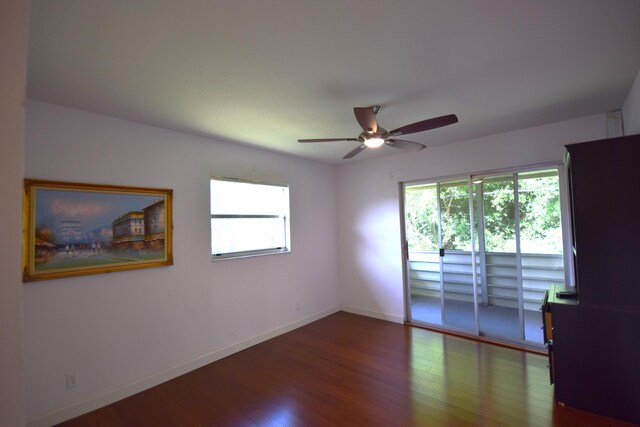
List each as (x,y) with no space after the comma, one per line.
(72,379)
(297,306)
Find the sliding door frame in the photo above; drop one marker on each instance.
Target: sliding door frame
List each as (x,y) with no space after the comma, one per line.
(515,171)
(440,258)
(474,268)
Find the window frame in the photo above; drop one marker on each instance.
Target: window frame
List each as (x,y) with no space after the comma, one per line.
(285,216)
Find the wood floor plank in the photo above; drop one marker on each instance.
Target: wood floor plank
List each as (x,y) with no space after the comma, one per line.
(350,370)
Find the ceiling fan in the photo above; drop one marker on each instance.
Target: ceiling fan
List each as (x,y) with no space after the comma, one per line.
(374,136)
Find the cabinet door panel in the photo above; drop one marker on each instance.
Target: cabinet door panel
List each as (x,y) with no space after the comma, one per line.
(605,188)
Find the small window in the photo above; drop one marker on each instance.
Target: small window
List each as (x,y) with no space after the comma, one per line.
(248,218)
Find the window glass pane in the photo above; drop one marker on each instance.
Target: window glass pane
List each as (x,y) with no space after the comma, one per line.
(248,217)
(246,234)
(540,224)
(454,215)
(499,214)
(421,213)
(244,198)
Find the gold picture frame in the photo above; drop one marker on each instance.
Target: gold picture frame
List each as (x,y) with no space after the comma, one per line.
(73,229)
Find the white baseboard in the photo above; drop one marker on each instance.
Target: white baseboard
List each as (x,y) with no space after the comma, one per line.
(76,409)
(377,315)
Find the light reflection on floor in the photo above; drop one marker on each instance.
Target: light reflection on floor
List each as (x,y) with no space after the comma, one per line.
(453,380)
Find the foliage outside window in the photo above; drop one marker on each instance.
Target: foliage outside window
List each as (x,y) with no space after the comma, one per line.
(422,217)
(454,212)
(248,218)
(421,208)
(539,211)
(538,203)
(540,220)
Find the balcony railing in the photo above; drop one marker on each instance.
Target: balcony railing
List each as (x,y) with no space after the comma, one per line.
(539,271)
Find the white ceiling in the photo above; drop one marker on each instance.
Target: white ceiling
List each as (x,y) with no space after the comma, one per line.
(266,73)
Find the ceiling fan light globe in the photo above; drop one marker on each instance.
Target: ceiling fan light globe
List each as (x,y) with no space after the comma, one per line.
(374,142)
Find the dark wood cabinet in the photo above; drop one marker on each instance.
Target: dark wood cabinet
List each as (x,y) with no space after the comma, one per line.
(594,357)
(605,198)
(594,349)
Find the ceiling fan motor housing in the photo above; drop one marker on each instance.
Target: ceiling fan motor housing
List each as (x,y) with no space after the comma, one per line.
(381,133)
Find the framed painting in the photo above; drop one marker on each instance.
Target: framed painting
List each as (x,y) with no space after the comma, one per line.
(73,229)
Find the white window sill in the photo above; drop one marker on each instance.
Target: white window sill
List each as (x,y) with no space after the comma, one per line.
(249,254)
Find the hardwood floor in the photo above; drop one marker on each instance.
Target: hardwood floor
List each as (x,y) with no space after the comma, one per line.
(349,370)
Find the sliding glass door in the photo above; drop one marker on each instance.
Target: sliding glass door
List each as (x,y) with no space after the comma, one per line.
(455,262)
(439,245)
(423,235)
(540,243)
(481,251)
(497,249)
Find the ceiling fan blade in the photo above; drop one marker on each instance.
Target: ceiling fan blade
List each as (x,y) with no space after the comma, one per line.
(425,125)
(327,139)
(367,118)
(405,145)
(355,151)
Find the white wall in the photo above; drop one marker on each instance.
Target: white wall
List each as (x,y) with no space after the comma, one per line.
(369,239)
(116,329)
(631,109)
(13,62)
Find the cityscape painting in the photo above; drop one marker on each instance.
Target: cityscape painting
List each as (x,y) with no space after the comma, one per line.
(75,229)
